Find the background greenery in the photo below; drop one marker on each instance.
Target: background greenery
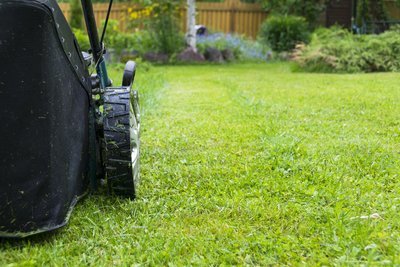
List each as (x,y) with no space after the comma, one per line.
(338,50)
(161,20)
(310,10)
(283,32)
(155,29)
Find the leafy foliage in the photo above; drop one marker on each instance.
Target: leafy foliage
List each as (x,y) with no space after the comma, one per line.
(76,14)
(369,11)
(82,38)
(243,48)
(155,27)
(161,20)
(99,1)
(282,33)
(139,41)
(310,9)
(337,50)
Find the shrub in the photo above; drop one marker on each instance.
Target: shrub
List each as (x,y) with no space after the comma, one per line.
(166,34)
(337,50)
(161,20)
(282,33)
(76,14)
(310,9)
(139,41)
(243,48)
(82,38)
(114,38)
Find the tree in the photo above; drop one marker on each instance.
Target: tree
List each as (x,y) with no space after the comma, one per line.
(191,24)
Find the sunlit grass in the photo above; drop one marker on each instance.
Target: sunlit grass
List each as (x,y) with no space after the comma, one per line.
(247,164)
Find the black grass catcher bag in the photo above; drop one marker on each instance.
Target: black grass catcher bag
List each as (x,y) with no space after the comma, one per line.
(62,130)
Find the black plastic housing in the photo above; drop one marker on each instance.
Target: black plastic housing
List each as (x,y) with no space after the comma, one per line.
(44,104)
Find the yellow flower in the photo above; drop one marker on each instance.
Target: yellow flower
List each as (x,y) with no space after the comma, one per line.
(134,15)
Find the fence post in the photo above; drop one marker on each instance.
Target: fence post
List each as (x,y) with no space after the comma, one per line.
(232,6)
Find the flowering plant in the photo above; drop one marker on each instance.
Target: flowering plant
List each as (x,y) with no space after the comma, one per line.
(161,19)
(242,47)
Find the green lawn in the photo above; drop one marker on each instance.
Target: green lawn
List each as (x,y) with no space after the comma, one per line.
(248,165)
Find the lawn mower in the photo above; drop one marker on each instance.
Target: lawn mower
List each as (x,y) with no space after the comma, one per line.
(65,132)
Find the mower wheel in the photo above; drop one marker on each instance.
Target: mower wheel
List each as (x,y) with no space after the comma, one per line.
(121,141)
(129,73)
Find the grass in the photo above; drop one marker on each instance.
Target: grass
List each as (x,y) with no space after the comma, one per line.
(247,165)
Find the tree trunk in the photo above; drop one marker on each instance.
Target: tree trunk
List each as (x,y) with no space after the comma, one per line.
(191,24)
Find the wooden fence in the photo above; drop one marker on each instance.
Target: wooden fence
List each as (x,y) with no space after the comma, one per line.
(392,9)
(231,16)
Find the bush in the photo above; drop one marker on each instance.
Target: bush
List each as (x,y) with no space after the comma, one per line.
(82,38)
(76,14)
(243,48)
(166,35)
(161,20)
(139,41)
(337,50)
(310,9)
(115,39)
(282,33)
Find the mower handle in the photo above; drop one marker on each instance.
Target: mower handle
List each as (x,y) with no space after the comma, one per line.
(96,47)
